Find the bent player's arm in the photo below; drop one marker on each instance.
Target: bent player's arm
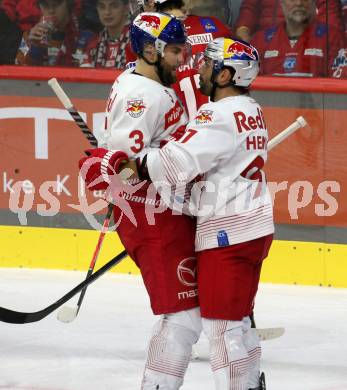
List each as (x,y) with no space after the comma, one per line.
(200,150)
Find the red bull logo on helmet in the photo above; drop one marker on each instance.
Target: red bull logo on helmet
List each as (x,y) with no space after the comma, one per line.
(239,48)
(204,116)
(152,21)
(135,108)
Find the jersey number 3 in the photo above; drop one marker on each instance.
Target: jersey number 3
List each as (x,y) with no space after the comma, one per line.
(137,136)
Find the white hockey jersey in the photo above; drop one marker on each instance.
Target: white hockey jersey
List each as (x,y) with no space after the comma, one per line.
(226,143)
(140,113)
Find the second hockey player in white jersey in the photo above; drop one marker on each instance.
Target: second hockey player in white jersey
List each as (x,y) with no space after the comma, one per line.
(226,148)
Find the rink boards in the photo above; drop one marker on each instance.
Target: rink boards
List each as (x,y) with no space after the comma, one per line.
(289,262)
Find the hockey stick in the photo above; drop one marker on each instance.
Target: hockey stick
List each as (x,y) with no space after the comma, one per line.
(66,102)
(273,333)
(66,313)
(296,125)
(17,317)
(265,334)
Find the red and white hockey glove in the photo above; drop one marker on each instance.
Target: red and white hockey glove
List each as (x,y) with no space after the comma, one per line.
(99,166)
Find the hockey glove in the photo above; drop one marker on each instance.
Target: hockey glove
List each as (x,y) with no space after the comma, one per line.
(99,166)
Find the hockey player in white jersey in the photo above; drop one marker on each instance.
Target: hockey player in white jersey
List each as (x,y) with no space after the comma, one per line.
(142,111)
(226,148)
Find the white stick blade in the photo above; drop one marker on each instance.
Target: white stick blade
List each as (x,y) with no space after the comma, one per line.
(269,333)
(67,314)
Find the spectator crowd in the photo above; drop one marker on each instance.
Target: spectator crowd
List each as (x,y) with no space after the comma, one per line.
(294,37)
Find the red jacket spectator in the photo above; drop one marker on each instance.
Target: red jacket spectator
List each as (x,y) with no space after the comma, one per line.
(25,13)
(261,14)
(307,56)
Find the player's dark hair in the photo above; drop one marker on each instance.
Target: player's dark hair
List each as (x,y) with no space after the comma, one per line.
(170,4)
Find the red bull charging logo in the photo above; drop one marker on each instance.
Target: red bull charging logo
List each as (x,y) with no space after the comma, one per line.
(135,108)
(204,116)
(151,21)
(240,48)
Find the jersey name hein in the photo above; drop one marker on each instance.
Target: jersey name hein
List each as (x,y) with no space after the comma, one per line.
(246,123)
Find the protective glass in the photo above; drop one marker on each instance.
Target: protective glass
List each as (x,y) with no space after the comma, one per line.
(201,60)
(187,53)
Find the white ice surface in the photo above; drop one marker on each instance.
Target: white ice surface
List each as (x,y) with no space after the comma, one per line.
(105,347)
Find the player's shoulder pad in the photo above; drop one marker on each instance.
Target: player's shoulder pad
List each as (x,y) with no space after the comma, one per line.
(129,85)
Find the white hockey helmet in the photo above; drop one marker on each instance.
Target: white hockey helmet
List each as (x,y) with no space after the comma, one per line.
(236,54)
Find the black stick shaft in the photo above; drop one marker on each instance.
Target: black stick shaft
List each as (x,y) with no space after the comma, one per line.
(83,126)
(64,99)
(18,317)
(96,253)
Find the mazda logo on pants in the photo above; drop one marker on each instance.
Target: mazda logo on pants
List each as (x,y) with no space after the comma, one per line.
(186,271)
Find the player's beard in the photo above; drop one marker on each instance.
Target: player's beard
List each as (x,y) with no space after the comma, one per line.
(168,74)
(205,87)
